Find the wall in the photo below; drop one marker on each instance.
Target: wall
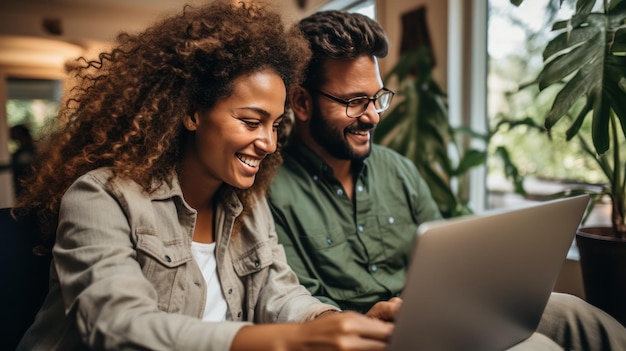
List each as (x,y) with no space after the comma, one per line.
(389,15)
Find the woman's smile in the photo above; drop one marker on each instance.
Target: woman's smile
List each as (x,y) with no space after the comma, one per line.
(250,160)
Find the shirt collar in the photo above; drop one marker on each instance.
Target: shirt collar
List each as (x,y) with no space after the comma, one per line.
(315,165)
(172,189)
(307,158)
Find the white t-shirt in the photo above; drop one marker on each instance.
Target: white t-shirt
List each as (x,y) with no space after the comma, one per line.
(215,306)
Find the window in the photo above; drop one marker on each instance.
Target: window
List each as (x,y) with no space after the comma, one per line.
(34,104)
(517,37)
(364,7)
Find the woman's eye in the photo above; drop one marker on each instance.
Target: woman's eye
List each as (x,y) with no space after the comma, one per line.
(251,122)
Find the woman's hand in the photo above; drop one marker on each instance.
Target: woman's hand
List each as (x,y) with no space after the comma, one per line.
(332,331)
(345,331)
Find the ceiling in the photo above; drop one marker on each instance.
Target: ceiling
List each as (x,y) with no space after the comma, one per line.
(51,31)
(101,20)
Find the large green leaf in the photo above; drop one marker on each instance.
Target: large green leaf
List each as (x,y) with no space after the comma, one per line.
(588,58)
(471,158)
(591,49)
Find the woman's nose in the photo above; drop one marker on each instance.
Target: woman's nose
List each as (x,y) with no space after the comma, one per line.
(266,140)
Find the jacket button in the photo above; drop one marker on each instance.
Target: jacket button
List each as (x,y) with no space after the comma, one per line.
(256,263)
(239,314)
(230,291)
(167,258)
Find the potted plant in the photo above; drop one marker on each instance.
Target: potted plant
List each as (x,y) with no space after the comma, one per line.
(587,61)
(418,127)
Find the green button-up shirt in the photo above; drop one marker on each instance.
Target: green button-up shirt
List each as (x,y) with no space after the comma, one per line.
(349,253)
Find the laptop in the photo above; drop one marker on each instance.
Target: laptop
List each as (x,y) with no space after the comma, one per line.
(481,282)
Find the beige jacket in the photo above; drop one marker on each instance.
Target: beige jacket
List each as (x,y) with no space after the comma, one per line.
(123,276)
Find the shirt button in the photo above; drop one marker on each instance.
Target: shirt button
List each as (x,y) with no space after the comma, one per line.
(329,241)
(239,314)
(315,178)
(167,258)
(391,220)
(373,268)
(339,192)
(359,188)
(361,229)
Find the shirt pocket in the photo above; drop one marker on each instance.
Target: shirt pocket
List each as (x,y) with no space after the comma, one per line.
(397,232)
(323,238)
(162,263)
(336,262)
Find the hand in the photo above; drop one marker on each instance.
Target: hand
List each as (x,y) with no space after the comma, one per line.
(331,331)
(344,331)
(385,310)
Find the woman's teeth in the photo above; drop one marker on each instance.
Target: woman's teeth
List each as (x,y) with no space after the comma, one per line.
(252,162)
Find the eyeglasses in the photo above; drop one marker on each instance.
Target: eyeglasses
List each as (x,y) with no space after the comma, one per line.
(356,106)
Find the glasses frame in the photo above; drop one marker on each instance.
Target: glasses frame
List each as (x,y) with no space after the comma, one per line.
(370,99)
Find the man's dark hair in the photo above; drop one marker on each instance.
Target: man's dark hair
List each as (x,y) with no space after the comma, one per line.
(340,36)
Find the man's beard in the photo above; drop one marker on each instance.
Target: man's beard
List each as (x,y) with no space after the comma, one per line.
(333,139)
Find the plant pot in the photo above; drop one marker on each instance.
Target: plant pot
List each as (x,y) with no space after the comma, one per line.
(603,266)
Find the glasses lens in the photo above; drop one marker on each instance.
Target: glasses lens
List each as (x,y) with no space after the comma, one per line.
(356,106)
(383,101)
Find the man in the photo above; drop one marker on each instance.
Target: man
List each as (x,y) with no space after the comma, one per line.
(346,210)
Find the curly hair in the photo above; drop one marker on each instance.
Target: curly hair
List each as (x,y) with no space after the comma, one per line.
(127,106)
(340,35)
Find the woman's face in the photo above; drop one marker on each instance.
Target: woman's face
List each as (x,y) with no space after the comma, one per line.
(233,137)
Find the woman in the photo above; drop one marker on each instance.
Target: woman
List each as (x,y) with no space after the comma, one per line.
(156,190)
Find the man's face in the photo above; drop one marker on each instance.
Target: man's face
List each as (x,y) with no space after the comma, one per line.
(343,137)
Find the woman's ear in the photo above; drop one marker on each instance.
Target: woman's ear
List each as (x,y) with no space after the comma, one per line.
(301,103)
(190,122)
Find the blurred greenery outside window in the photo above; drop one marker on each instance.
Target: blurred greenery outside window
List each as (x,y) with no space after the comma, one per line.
(517,37)
(33,102)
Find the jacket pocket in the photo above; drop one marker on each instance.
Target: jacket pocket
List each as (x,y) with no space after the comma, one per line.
(253,260)
(171,253)
(163,263)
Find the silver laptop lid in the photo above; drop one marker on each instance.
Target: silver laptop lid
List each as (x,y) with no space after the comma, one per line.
(481,282)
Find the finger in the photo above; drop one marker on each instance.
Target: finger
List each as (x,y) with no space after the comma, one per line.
(368,328)
(392,309)
(358,343)
(396,300)
(386,310)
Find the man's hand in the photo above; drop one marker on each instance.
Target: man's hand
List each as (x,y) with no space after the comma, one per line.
(385,310)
